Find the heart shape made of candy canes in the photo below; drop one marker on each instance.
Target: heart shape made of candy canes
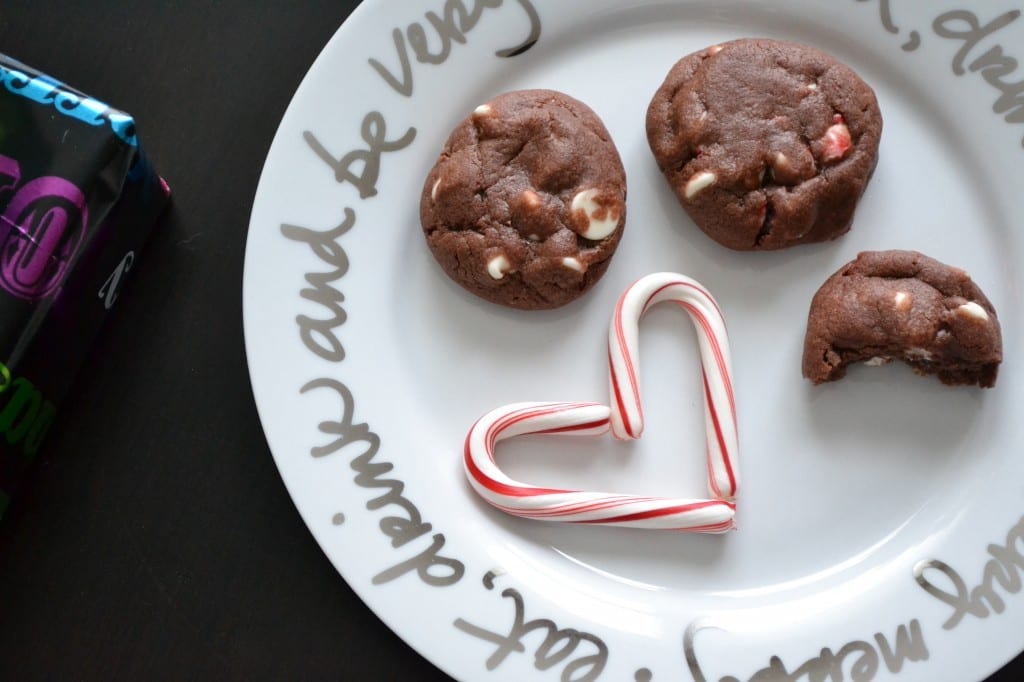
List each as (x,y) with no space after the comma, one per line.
(624,418)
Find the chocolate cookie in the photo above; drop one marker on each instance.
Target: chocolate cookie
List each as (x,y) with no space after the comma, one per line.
(902,305)
(527,201)
(766,143)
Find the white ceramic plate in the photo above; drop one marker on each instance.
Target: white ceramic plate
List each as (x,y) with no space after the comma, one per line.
(880,524)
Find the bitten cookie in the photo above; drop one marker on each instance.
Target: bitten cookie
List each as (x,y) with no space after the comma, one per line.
(527,201)
(903,305)
(767,144)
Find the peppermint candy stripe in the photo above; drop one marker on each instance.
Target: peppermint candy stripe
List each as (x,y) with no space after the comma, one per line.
(574,506)
(627,418)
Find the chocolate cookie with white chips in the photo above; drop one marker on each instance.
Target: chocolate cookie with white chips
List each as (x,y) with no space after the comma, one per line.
(902,305)
(526,203)
(767,144)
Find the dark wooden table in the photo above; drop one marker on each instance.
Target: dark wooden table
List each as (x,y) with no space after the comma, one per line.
(156,540)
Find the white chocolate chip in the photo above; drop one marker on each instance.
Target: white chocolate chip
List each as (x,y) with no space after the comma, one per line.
(573,264)
(903,300)
(597,228)
(482,110)
(498,266)
(698,182)
(530,199)
(973,310)
(812,86)
(714,49)
(781,168)
(877,361)
(433,190)
(917,354)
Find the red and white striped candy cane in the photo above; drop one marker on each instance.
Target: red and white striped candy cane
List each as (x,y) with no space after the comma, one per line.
(574,506)
(627,418)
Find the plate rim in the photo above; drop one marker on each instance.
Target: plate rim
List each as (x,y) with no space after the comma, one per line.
(349,26)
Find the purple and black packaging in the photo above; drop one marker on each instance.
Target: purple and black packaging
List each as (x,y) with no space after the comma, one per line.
(78,200)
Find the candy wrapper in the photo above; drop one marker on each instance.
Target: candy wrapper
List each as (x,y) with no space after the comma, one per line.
(78,199)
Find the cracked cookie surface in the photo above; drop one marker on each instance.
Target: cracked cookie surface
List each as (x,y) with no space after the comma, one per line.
(902,305)
(767,144)
(527,201)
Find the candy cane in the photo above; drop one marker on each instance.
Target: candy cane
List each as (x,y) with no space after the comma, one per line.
(627,418)
(574,506)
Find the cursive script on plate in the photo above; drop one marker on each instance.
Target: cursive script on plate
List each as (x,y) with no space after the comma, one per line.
(420,551)
(998,69)
(405,524)
(582,655)
(451,26)
(862,658)
(402,522)
(1000,577)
